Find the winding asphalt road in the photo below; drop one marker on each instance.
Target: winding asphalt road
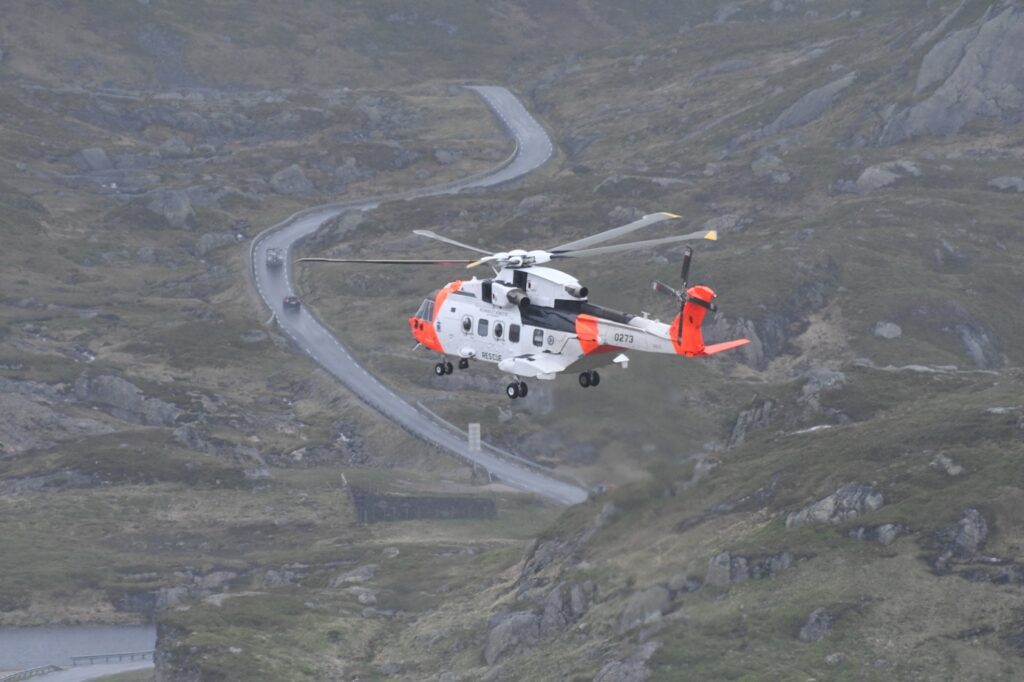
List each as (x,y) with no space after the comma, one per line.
(533,149)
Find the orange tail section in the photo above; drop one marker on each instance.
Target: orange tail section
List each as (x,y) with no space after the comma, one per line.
(685,330)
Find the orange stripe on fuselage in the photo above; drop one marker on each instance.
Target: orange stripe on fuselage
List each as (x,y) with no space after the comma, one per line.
(425,332)
(586,332)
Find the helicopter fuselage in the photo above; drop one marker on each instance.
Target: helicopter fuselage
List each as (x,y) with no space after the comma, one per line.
(527,322)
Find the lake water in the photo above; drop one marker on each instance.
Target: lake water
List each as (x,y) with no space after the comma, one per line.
(22,648)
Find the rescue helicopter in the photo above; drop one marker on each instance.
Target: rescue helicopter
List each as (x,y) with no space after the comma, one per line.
(536,322)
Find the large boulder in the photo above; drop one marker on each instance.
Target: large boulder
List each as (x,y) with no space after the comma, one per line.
(174,207)
(818,623)
(847,502)
(1006,183)
(92,159)
(981,78)
(291,181)
(962,541)
(646,606)
(508,632)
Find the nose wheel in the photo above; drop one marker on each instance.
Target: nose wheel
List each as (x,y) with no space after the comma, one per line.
(591,378)
(463,363)
(443,368)
(517,389)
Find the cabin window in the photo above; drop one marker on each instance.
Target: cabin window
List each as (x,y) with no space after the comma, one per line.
(426,310)
(499,329)
(538,337)
(481,327)
(467,323)
(513,333)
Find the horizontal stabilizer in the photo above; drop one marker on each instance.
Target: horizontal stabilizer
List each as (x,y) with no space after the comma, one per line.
(728,345)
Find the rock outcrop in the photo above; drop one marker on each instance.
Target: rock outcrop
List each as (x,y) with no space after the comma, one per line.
(126,400)
(728,569)
(980,75)
(884,534)
(847,502)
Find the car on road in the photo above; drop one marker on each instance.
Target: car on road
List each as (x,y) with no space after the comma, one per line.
(274,258)
(291,303)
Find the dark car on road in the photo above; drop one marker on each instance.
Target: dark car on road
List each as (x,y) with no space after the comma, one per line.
(291,303)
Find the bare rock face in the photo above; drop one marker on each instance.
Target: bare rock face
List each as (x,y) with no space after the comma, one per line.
(291,181)
(818,623)
(849,501)
(646,606)
(981,78)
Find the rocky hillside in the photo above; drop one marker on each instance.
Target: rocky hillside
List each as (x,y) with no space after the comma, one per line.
(839,500)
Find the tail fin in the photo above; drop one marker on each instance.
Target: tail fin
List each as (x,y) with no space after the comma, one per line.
(686,327)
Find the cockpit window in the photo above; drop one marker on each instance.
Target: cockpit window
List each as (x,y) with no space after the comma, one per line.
(426,310)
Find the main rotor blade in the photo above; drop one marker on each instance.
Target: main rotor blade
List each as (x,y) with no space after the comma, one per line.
(663,288)
(383,261)
(446,240)
(647,220)
(630,246)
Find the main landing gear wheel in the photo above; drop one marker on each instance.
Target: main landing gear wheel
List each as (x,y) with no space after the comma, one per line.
(448,369)
(588,379)
(442,368)
(463,363)
(595,378)
(517,389)
(585,379)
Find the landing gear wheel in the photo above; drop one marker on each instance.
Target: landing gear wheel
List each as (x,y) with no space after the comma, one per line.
(595,378)
(523,389)
(512,391)
(439,369)
(463,363)
(585,379)
(448,369)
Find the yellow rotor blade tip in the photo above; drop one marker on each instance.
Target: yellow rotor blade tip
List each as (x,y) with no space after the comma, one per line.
(712,235)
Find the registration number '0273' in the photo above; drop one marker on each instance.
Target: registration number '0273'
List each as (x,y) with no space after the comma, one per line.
(623,338)
(493,357)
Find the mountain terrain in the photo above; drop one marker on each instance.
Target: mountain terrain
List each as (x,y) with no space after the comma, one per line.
(840,499)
